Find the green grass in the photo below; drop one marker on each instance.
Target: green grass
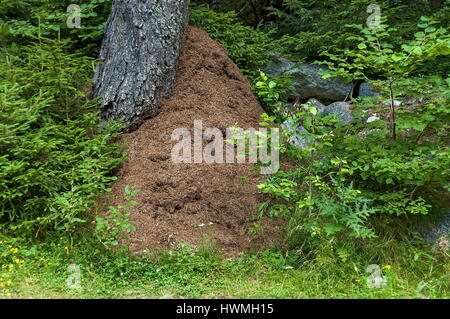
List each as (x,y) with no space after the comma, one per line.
(415,272)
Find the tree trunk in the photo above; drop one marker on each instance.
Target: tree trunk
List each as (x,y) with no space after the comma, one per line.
(139,57)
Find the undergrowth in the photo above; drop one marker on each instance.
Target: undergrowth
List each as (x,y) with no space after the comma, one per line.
(345,201)
(42,271)
(56,155)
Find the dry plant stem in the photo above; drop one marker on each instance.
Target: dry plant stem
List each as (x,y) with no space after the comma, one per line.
(392,115)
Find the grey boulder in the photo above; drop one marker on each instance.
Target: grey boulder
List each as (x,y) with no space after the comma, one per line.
(341,110)
(308,81)
(296,134)
(367,90)
(438,234)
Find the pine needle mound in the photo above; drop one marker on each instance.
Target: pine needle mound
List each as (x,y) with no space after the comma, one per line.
(196,204)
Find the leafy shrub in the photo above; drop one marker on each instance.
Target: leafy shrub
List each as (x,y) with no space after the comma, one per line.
(310,27)
(415,154)
(319,200)
(55,157)
(375,56)
(396,165)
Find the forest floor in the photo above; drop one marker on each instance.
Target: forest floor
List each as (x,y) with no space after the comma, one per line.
(175,199)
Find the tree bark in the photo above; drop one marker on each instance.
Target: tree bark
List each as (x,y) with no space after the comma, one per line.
(139,58)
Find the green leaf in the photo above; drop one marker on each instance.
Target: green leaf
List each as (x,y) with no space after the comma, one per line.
(397,57)
(419,35)
(417,51)
(332,228)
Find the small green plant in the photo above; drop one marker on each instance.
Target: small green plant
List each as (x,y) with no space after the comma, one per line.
(255,228)
(265,89)
(116,226)
(272,91)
